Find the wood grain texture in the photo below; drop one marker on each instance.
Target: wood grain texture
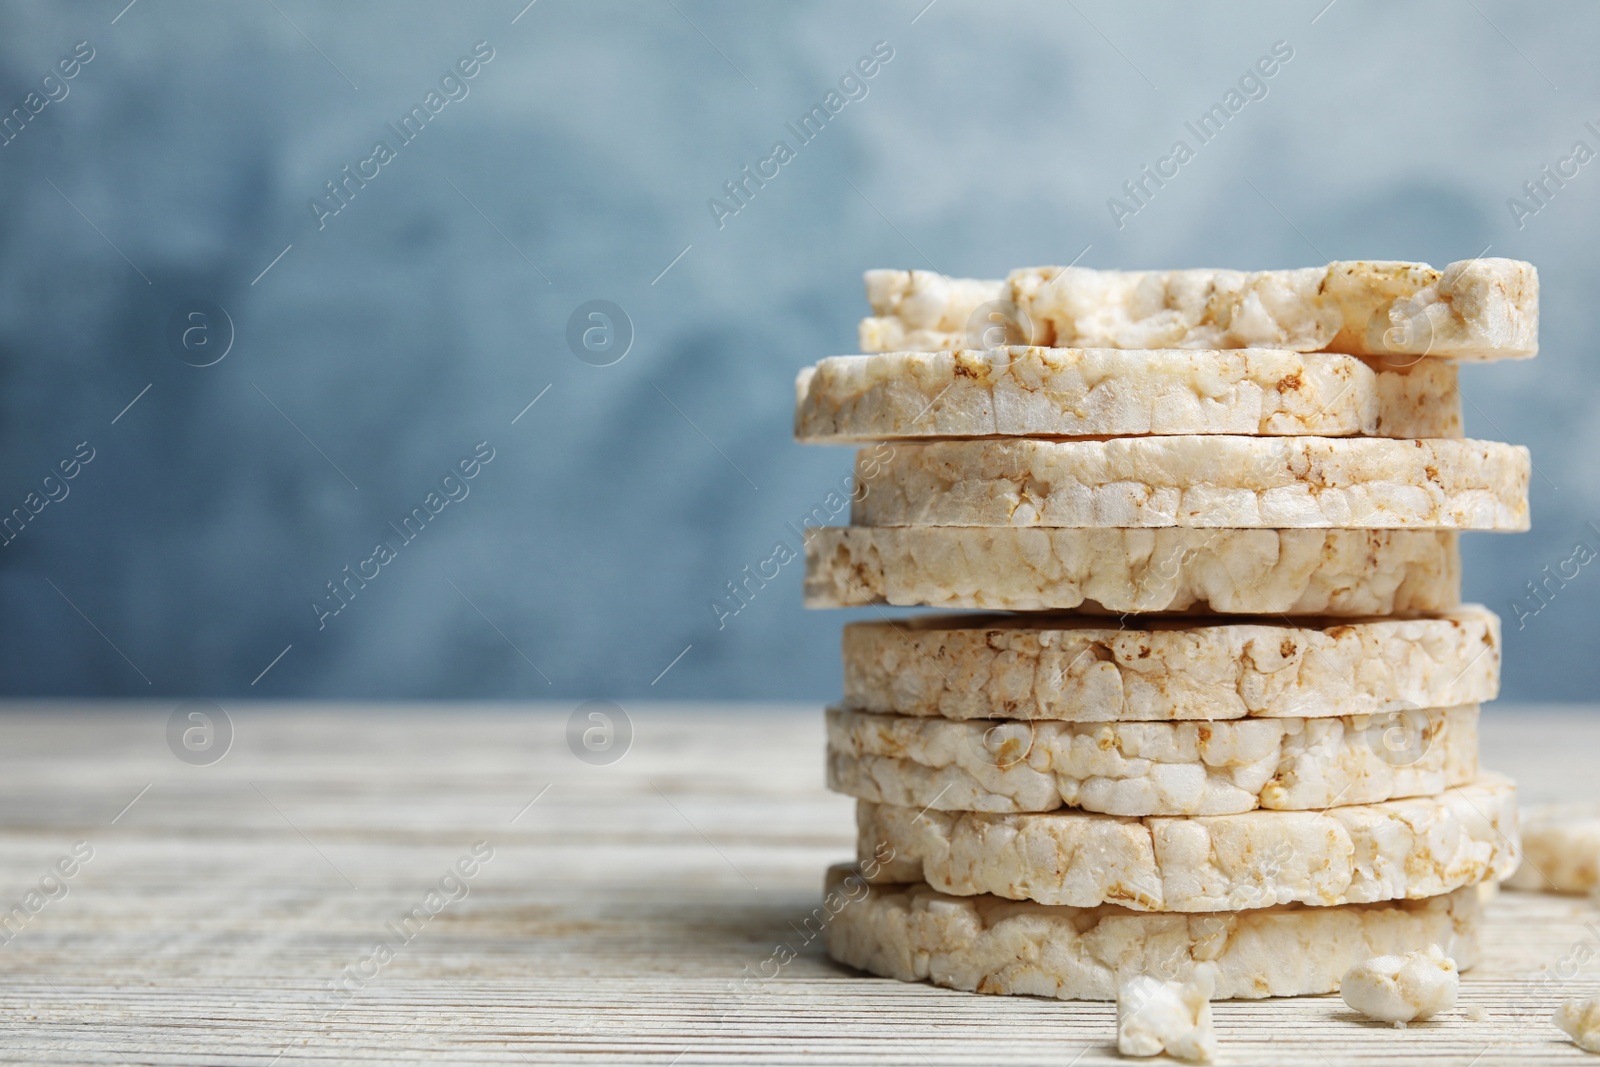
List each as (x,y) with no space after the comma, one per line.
(614,923)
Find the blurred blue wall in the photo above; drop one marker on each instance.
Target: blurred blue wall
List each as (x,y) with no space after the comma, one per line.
(576,164)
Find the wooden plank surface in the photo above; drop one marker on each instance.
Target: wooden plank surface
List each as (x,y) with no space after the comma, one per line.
(615,922)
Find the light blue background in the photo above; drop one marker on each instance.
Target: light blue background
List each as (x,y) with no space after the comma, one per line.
(190,549)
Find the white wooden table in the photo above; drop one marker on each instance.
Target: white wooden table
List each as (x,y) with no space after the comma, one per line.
(611,924)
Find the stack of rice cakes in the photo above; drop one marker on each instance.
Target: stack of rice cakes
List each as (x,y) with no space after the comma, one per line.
(1233,717)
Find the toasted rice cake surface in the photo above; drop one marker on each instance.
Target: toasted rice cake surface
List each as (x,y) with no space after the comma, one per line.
(1349,854)
(1305,572)
(1476,309)
(1150,768)
(1158,669)
(987,944)
(1196,481)
(1076,392)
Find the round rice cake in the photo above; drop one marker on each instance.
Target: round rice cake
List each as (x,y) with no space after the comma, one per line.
(986,944)
(1560,850)
(1353,854)
(1196,481)
(1078,392)
(1307,572)
(1157,669)
(1473,309)
(1150,768)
